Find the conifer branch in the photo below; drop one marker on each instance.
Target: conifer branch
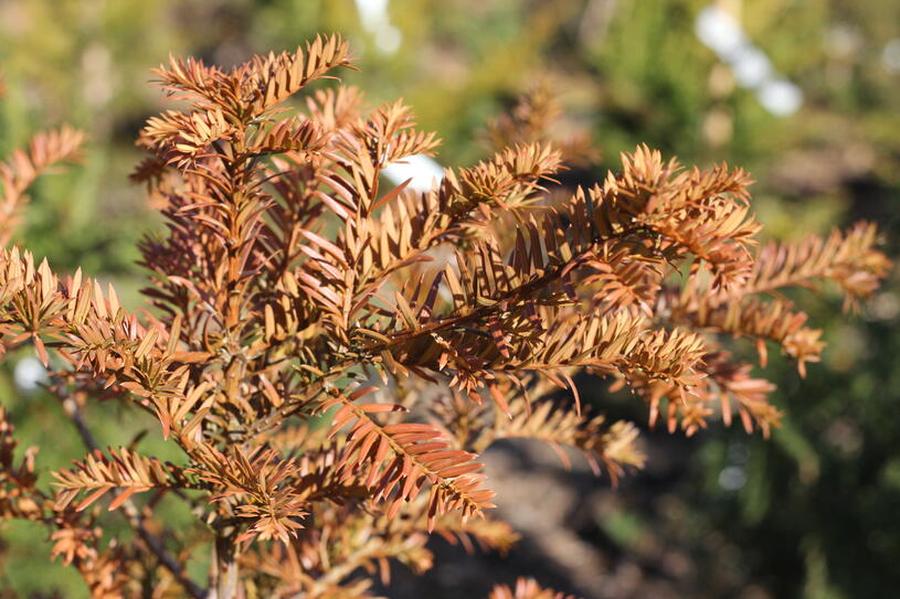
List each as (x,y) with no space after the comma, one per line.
(290,275)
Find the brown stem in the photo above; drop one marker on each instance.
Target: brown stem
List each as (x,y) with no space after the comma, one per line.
(225,567)
(153,543)
(407,335)
(519,293)
(340,571)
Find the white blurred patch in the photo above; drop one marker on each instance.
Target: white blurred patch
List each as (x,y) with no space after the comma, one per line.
(424,172)
(752,69)
(373,16)
(890,56)
(29,373)
(719,31)
(732,478)
(780,97)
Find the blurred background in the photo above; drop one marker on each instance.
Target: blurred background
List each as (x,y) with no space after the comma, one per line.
(804,94)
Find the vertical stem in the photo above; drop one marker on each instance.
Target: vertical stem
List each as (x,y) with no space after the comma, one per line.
(225,567)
